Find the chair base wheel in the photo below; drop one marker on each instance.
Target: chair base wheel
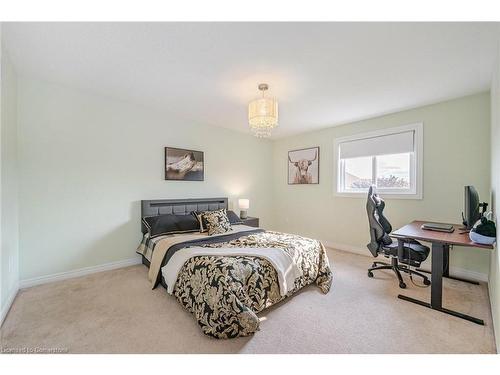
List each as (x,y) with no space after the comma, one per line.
(427,282)
(370,274)
(402,285)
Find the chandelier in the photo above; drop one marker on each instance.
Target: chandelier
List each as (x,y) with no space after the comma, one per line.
(263,114)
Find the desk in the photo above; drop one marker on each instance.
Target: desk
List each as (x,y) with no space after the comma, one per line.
(441,242)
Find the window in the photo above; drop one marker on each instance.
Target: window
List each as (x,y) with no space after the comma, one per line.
(389,159)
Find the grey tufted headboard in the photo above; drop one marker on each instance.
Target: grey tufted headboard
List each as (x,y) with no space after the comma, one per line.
(179,207)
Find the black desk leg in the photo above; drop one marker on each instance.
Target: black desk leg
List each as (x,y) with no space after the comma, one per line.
(437,276)
(446,268)
(438,253)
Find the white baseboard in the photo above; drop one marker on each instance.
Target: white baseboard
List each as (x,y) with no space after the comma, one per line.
(347,248)
(465,274)
(5,309)
(454,271)
(79,272)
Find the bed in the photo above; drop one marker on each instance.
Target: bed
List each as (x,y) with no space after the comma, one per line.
(225,279)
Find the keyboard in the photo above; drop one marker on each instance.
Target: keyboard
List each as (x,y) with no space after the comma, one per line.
(438,227)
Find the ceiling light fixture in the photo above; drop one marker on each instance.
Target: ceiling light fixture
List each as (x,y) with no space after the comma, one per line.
(263,114)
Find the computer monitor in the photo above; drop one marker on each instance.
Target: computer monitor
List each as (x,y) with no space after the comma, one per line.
(472,207)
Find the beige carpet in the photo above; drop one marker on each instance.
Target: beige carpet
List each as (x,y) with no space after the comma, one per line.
(117,312)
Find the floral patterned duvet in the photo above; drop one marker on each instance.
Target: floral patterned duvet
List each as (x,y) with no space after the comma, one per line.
(225,293)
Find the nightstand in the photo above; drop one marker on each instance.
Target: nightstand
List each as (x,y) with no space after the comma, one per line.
(251,221)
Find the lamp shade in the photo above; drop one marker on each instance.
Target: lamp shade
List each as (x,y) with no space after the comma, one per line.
(244,204)
(263,114)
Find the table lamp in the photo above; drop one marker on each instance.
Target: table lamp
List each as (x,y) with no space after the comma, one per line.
(243,204)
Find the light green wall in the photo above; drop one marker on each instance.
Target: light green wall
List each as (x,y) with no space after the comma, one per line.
(494,282)
(9,173)
(456,153)
(86,161)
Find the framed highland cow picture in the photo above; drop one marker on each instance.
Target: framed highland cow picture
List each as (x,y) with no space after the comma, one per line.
(184,165)
(303,166)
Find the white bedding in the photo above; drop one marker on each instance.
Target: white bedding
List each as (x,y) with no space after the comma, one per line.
(287,270)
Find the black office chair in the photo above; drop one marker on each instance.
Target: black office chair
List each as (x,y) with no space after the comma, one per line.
(413,252)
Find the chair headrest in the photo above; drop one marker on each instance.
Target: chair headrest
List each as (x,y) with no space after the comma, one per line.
(375,207)
(372,194)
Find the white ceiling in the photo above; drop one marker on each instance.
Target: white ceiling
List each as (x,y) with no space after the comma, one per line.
(323,74)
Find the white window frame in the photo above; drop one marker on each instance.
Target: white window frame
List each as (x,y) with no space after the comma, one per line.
(416,164)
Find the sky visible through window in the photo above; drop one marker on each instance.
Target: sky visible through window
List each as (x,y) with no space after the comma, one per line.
(392,171)
(397,165)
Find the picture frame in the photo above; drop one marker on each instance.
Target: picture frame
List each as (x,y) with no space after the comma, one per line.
(303,166)
(184,164)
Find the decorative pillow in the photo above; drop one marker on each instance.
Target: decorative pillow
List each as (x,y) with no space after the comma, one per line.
(233,219)
(216,222)
(170,224)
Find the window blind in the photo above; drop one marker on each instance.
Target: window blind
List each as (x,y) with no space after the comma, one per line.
(396,143)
